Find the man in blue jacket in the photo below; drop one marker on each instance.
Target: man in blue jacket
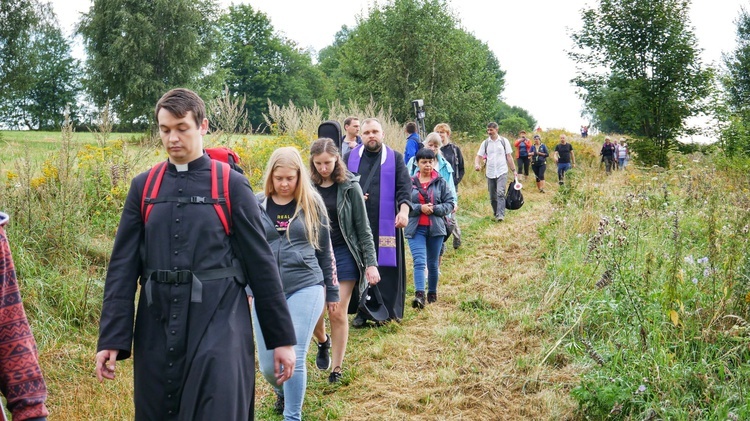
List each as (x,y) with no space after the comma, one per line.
(413,142)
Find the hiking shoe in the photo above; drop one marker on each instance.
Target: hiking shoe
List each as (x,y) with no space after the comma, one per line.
(418,301)
(359,321)
(499,219)
(541,190)
(278,407)
(431,297)
(335,375)
(323,360)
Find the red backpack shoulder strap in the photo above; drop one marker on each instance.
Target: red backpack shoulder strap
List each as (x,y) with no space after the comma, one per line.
(151,188)
(220,193)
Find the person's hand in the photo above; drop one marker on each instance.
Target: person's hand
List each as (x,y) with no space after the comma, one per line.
(427,209)
(455,208)
(477,167)
(332,307)
(105,364)
(367,195)
(283,363)
(372,275)
(402,219)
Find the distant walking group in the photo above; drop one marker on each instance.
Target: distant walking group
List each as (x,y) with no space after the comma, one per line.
(614,155)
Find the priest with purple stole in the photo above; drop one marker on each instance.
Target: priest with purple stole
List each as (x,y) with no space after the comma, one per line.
(387,188)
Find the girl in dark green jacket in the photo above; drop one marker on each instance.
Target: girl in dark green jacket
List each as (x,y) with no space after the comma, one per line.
(356,262)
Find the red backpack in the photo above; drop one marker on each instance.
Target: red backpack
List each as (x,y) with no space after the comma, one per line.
(223,160)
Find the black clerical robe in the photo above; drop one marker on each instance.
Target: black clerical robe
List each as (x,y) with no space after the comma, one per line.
(193,350)
(392,279)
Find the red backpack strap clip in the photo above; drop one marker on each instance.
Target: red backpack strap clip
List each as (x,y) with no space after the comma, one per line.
(151,189)
(220,193)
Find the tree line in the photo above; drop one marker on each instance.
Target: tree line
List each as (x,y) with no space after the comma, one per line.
(640,71)
(135,51)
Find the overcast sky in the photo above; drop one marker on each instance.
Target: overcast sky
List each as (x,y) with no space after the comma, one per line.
(529,38)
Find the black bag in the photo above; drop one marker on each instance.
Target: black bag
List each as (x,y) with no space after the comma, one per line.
(371,303)
(332,130)
(450,225)
(514,198)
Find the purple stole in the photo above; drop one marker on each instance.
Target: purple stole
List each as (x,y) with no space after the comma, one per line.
(387,216)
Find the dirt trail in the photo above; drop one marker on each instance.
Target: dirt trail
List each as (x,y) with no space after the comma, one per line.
(476,354)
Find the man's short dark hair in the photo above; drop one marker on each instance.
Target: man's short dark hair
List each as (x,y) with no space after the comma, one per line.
(411,127)
(492,125)
(424,153)
(179,102)
(349,119)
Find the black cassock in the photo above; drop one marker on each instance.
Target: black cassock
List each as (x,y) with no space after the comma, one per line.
(193,352)
(392,279)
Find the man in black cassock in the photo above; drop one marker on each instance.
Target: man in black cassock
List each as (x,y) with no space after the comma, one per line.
(387,188)
(193,340)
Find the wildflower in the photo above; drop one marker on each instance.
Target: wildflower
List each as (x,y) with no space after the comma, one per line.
(11,175)
(689,259)
(703,260)
(641,389)
(695,281)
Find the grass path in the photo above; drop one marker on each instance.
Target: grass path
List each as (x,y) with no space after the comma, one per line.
(475,354)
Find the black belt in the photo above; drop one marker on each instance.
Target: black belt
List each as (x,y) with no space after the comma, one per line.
(179,277)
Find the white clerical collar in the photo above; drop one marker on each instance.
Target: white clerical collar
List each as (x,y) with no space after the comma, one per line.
(181,167)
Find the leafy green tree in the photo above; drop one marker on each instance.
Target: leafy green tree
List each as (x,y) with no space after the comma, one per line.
(137,50)
(262,65)
(735,138)
(416,49)
(645,74)
(16,17)
(506,111)
(50,76)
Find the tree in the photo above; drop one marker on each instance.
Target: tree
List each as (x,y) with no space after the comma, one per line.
(735,138)
(645,72)
(17,17)
(137,50)
(415,49)
(508,112)
(262,65)
(37,99)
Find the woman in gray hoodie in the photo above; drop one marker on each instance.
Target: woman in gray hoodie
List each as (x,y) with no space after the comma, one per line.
(296,227)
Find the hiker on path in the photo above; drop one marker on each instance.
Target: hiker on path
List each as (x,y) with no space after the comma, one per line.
(353,247)
(539,154)
(564,157)
(623,154)
(452,153)
(432,200)
(192,340)
(498,151)
(608,154)
(523,147)
(295,224)
(387,189)
(351,137)
(413,142)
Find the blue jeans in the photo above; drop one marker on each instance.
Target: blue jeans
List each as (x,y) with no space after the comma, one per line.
(561,168)
(305,307)
(496,187)
(622,162)
(425,249)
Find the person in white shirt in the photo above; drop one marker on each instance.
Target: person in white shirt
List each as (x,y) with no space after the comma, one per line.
(498,153)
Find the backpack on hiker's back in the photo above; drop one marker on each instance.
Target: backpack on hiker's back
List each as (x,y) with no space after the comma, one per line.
(223,160)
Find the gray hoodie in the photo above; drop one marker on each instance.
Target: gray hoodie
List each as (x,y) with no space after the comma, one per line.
(300,265)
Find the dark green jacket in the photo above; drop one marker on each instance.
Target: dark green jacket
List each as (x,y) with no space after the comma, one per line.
(355,227)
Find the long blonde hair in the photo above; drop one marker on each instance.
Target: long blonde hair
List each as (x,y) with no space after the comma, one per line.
(307,197)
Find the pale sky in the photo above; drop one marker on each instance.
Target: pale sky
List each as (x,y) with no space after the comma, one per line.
(528,37)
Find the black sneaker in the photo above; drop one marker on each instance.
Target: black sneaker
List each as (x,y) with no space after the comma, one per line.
(278,407)
(335,375)
(323,360)
(418,301)
(431,297)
